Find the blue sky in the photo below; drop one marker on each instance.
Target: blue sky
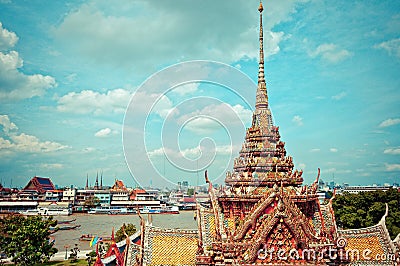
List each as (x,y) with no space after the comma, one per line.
(68,70)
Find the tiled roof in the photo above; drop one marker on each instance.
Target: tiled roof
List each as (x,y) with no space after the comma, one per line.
(369,246)
(169,246)
(39,184)
(118,186)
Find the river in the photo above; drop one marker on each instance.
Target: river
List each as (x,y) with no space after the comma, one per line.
(101,225)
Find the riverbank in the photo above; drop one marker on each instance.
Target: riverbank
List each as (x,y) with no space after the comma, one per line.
(102,225)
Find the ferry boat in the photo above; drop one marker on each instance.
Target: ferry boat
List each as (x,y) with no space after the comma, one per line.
(48,211)
(160,209)
(108,210)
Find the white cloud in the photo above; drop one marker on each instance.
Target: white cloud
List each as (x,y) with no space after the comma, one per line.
(186,88)
(147,103)
(88,101)
(244,114)
(173,31)
(7,38)
(298,120)
(29,143)
(392,47)
(394,151)
(51,165)
(227,149)
(392,167)
(103,132)
(216,116)
(203,125)
(157,152)
(390,122)
(164,107)
(333,150)
(315,150)
(194,152)
(13,142)
(15,85)
(7,124)
(339,96)
(330,52)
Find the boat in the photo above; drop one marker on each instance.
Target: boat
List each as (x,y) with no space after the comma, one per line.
(47,211)
(160,209)
(30,212)
(54,211)
(108,210)
(65,221)
(122,211)
(89,237)
(65,227)
(69,227)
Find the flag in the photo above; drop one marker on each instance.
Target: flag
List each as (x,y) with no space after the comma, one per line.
(95,240)
(91,242)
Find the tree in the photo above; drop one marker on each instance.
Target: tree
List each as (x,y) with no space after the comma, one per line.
(190,191)
(367,208)
(130,229)
(27,239)
(92,202)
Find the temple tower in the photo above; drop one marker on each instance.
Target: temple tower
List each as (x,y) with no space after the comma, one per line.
(264,205)
(262,160)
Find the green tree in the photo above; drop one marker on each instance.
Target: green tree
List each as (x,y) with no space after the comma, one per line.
(130,229)
(27,239)
(92,202)
(190,191)
(367,208)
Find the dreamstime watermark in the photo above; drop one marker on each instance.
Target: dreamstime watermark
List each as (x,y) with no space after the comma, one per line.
(338,252)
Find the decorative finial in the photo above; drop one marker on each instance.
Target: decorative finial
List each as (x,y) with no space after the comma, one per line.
(260,7)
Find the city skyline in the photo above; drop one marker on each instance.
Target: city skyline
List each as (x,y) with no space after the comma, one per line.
(68,71)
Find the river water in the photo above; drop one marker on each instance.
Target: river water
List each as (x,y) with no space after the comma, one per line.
(101,225)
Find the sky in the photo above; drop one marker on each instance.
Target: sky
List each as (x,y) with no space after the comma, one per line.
(156,92)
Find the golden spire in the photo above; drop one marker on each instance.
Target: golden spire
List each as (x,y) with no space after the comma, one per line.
(260,8)
(262,116)
(261,77)
(261,95)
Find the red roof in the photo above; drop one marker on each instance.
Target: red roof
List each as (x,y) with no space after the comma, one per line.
(119,185)
(39,184)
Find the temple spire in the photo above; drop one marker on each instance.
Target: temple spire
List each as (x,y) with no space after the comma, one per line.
(261,77)
(96,185)
(261,94)
(262,116)
(101,180)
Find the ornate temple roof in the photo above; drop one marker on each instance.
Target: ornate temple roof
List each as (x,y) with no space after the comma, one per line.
(39,184)
(169,246)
